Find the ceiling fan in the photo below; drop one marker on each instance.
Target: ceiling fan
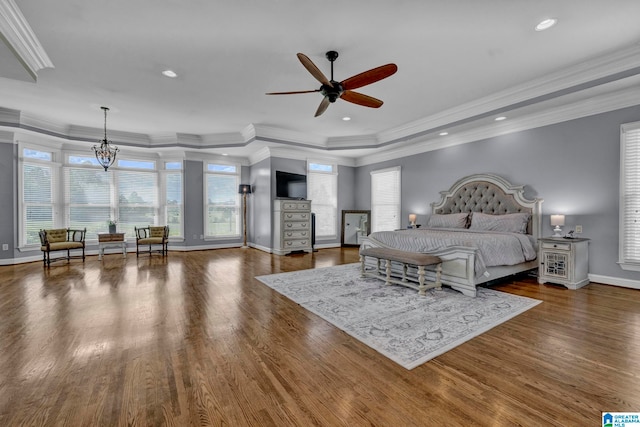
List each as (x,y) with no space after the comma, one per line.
(332,90)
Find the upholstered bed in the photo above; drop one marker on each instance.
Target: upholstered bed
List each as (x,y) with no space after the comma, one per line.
(483,229)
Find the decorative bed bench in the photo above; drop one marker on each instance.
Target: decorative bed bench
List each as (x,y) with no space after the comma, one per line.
(418,260)
(61,239)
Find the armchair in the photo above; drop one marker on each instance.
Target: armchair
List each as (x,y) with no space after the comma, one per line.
(152,235)
(61,239)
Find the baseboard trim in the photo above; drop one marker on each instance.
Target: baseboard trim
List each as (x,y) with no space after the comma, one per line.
(616,281)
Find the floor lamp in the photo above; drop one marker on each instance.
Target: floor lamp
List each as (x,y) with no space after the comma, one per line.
(244,189)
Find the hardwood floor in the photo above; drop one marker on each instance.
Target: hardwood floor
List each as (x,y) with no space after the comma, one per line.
(194,339)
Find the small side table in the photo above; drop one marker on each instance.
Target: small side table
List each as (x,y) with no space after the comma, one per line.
(111,240)
(564,261)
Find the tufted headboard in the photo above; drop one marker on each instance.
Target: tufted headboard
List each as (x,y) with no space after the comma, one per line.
(489,194)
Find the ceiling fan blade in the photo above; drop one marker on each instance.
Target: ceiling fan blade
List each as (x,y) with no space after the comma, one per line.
(368,77)
(323,106)
(292,93)
(315,71)
(361,99)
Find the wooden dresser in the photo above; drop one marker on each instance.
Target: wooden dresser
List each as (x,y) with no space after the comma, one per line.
(292,226)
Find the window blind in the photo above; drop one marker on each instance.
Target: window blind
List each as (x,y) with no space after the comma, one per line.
(87,196)
(173,202)
(322,190)
(137,193)
(222,203)
(385,199)
(630,197)
(38,200)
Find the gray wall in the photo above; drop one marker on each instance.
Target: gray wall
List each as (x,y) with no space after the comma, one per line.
(573,166)
(193,202)
(194,206)
(346,189)
(260,205)
(8,207)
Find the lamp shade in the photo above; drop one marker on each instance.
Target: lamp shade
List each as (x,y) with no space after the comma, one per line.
(557,220)
(412,218)
(244,189)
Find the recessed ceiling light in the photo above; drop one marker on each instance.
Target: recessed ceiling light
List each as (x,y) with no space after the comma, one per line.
(498,119)
(546,24)
(225,154)
(170,73)
(443,133)
(346,119)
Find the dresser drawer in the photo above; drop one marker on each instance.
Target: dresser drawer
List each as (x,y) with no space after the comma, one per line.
(296,216)
(296,206)
(301,234)
(293,244)
(295,225)
(559,245)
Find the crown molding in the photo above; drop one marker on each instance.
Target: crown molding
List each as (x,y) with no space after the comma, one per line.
(591,71)
(9,117)
(22,40)
(353,142)
(44,125)
(197,156)
(584,80)
(83,133)
(288,153)
(259,156)
(289,137)
(596,105)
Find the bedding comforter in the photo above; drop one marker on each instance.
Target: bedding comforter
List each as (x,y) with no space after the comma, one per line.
(494,247)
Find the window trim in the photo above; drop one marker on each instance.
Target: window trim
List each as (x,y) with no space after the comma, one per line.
(625,129)
(205,202)
(332,172)
(56,188)
(162,197)
(399,206)
(60,163)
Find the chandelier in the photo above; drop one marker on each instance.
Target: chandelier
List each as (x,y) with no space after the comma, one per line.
(106,152)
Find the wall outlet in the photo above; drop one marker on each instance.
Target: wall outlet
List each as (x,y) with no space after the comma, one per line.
(578,229)
(5,247)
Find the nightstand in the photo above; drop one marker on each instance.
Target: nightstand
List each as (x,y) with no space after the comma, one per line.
(563,261)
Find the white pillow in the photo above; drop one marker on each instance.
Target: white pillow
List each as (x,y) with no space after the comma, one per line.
(457,220)
(511,223)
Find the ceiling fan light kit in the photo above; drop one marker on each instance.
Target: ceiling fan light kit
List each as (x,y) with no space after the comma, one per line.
(332,90)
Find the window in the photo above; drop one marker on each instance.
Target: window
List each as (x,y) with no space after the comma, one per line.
(132,192)
(137,192)
(322,190)
(38,194)
(629,251)
(88,198)
(172,184)
(127,193)
(385,199)
(222,200)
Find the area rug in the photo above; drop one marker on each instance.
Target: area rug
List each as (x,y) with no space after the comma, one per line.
(394,320)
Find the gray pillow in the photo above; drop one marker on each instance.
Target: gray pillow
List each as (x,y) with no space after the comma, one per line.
(458,220)
(511,223)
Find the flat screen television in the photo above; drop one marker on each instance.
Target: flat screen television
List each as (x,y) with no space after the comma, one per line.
(291,185)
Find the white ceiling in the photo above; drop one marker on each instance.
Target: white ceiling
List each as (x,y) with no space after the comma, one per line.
(458,61)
